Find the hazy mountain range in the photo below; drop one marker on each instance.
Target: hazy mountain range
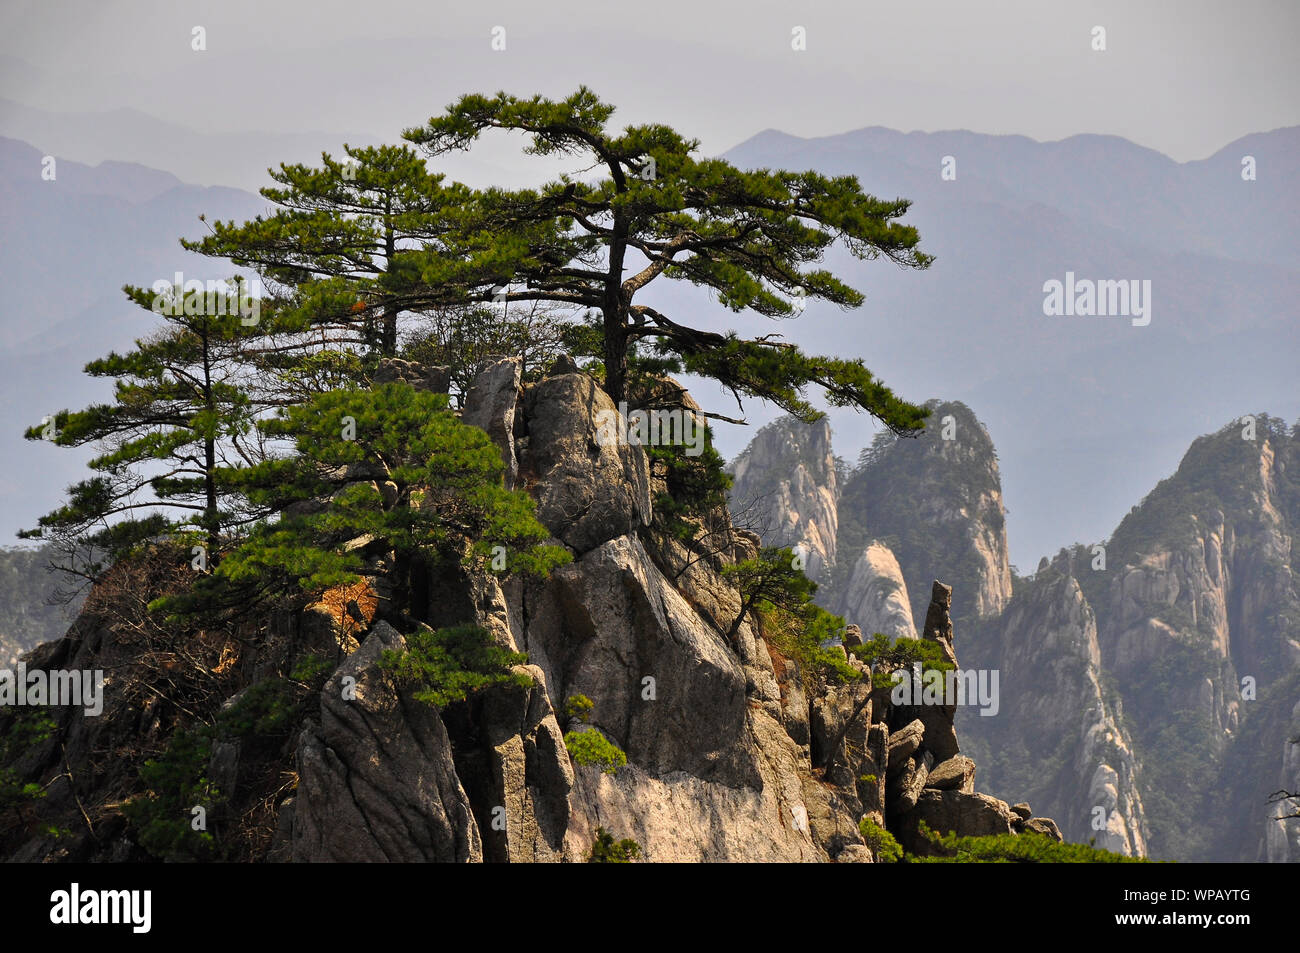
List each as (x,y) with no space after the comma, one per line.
(1087,412)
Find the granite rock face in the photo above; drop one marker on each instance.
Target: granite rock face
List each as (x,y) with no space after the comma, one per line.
(734,752)
(377,781)
(786,489)
(589,490)
(1062,717)
(937,498)
(491,405)
(875,596)
(1169,632)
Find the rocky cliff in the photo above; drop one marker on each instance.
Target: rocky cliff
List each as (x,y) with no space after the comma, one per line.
(874,594)
(34,607)
(1060,737)
(1199,621)
(1145,679)
(936,502)
(734,751)
(786,489)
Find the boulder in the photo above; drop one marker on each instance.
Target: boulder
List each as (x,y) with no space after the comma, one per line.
(944,812)
(830,724)
(903,744)
(955,774)
(1044,825)
(872,791)
(564,364)
(589,489)
(875,596)
(491,404)
(376,777)
(832,817)
(855,854)
(905,787)
(434,379)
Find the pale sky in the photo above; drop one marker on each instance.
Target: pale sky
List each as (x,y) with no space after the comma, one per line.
(1183,77)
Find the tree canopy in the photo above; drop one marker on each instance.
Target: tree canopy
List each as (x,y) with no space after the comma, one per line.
(358,247)
(657,210)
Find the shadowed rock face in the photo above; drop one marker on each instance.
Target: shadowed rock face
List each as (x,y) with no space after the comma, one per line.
(1195,609)
(588,490)
(1071,749)
(1282,829)
(376,778)
(1104,663)
(491,405)
(936,500)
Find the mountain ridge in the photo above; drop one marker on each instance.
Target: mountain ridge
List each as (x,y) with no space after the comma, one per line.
(1122,662)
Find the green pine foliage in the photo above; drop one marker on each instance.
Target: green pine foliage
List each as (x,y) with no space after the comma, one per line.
(445,500)
(809,636)
(887,656)
(578,707)
(695,485)
(21,729)
(886,849)
(163,817)
(606,850)
(328,251)
(180,416)
(447,666)
(774,579)
(590,747)
(264,443)
(747,236)
(1027,848)
(265,716)
(773,584)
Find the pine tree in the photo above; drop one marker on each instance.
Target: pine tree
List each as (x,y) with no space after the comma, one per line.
(358,244)
(660,211)
(180,418)
(392,465)
(772,579)
(326,253)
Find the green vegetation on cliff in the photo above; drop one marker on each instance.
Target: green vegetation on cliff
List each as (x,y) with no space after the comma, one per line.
(1026,848)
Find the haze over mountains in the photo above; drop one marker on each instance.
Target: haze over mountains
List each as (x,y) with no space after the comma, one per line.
(1087,412)
(69,246)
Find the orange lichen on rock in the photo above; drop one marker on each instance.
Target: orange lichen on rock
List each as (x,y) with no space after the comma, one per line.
(352,607)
